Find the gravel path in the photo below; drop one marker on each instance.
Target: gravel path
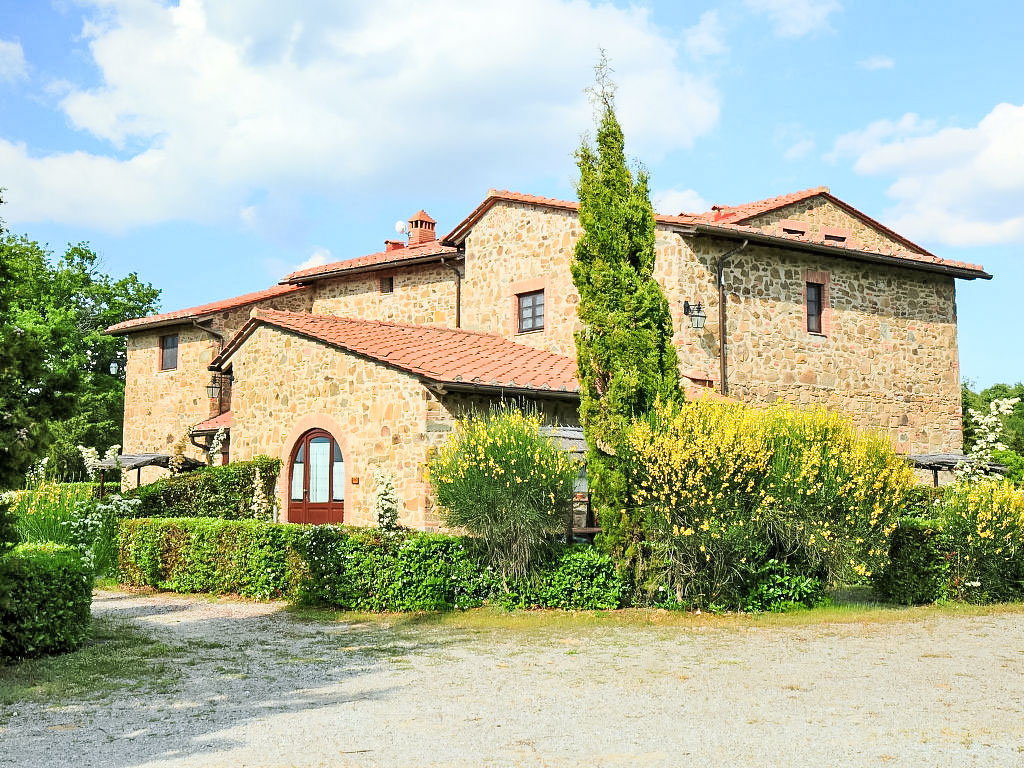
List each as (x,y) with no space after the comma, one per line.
(267,689)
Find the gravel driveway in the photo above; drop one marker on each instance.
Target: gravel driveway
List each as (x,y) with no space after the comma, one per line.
(268,689)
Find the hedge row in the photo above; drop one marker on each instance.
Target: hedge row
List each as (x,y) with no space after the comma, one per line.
(347,568)
(225,492)
(47,607)
(970,547)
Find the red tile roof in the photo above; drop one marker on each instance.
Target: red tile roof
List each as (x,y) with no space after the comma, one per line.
(729,223)
(380,259)
(212,425)
(738,213)
(195,313)
(441,355)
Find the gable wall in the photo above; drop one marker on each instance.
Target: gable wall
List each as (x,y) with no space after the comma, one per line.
(286,384)
(423,295)
(161,406)
(820,212)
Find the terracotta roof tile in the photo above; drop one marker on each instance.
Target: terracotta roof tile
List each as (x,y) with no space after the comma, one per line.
(194,313)
(729,219)
(737,213)
(441,355)
(212,425)
(380,259)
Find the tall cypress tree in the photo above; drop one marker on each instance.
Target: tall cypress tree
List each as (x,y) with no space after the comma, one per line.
(624,348)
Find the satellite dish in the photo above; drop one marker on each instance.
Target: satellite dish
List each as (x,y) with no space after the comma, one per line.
(401,227)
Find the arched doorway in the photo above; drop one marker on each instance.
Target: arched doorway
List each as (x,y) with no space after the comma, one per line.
(316,487)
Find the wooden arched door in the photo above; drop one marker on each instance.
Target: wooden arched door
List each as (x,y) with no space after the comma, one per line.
(316,492)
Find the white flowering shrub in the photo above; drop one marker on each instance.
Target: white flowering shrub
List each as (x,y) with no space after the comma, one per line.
(386,502)
(213,451)
(989,432)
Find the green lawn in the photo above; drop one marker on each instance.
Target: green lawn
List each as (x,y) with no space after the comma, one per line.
(117,656)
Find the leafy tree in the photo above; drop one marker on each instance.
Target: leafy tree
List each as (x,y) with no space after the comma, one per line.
(1013,424)
(624,348)
(56,389)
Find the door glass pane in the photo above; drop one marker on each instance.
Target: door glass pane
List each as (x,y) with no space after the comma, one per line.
(339,475)
(298,476)
(319,466)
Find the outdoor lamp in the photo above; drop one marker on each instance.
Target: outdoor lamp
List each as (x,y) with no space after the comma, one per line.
(113,367)
(213,388)
(696,314)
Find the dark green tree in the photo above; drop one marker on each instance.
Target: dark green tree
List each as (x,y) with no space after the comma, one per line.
(56,389)
(624,347)
(1013,424)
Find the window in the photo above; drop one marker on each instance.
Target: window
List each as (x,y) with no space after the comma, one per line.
(169,352)
(815,292)
(387,284)
(835,238)
(531,311)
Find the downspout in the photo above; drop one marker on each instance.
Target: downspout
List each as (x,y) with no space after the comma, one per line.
(458,291)
(720,273)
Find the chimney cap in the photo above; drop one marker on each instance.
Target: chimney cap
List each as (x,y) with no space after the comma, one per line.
(393,245)
(422,215)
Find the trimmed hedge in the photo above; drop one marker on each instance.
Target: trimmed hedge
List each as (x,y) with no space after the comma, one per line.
(348,568)
(47,610)
(225,492)
(919,570)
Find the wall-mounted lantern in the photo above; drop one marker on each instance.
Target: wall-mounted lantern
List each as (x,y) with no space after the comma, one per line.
(113,368)
(696,314)
(213,388)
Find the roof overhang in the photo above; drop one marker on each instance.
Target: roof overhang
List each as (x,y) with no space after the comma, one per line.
(772,241)
(482,388)
(435,258)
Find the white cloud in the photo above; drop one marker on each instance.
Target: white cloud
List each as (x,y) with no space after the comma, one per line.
(12,61)
(674,201)
(210,108)
(318,258)
(796,18)
(872,63)
(795,141)
(958,186)
(705,38)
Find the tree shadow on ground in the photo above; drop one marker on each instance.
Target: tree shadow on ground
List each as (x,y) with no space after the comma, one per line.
(231,670)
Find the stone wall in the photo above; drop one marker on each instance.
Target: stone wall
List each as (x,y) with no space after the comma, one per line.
(161,406)
(423,295)
(286,385)
(517,248)
(822,214)
(888,356)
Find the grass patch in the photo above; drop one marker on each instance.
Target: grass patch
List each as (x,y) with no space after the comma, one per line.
(117,656)
(849,606)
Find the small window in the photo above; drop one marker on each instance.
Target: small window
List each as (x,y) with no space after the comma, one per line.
(531,311)
(835,238)
(793,231)
(815,291)
(169,352)
(387,284)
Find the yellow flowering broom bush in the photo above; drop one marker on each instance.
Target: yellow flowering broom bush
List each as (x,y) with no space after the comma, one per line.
(506,484)
(725,488)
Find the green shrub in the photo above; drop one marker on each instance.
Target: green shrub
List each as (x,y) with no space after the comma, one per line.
(8,527)
(726,488)
(921,553)
(245,557)
(44,511)
(226,491)
(507,485)
(778,586)
(348,568)
(47,610)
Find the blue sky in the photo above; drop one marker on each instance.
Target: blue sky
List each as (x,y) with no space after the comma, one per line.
(214,146)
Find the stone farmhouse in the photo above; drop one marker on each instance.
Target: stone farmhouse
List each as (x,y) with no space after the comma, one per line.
(367,362)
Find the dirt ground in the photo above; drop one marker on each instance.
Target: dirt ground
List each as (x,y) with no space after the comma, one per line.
(264,687)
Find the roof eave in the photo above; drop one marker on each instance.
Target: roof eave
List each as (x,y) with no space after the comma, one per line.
(342,272)
(842,253)
(186,320)
(482,388)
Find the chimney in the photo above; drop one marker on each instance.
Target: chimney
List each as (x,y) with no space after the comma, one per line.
(421,229)
(393,245)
